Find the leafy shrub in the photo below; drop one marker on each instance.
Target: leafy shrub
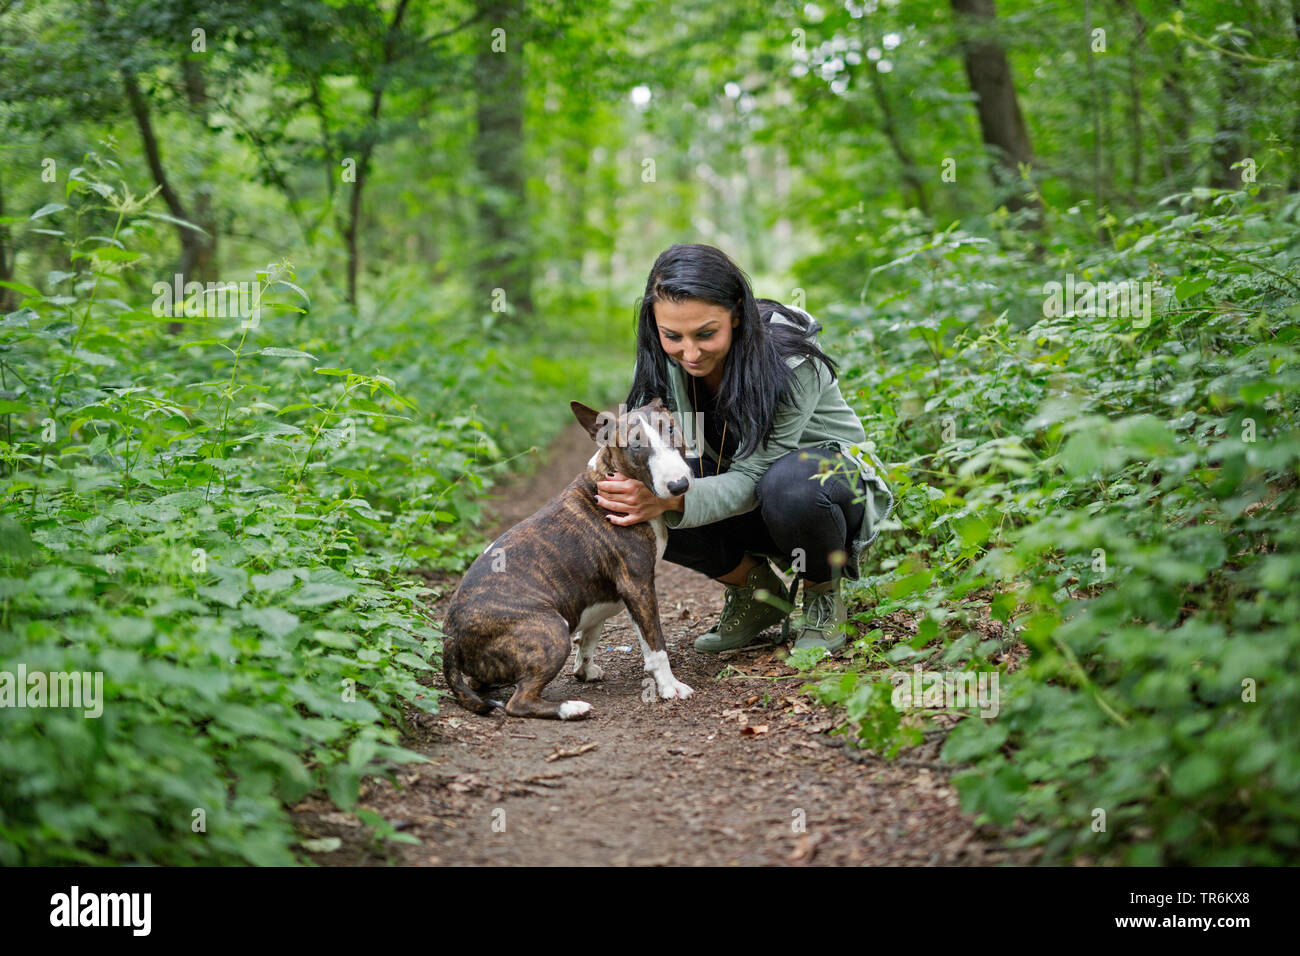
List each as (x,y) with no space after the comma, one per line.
(219,522)
(1122,497)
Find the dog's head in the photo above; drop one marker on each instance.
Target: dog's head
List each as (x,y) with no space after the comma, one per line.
(645,443)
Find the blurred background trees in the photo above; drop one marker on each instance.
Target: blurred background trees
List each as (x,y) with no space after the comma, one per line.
(529,160)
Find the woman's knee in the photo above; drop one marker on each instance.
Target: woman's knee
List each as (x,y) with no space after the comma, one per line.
(778,475)
(788,482)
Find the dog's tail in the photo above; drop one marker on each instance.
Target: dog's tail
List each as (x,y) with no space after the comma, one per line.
(459,684)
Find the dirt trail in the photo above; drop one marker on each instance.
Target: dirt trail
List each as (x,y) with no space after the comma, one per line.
(741,773)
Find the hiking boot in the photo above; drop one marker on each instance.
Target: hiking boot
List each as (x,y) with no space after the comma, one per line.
(744,616)
(823,619)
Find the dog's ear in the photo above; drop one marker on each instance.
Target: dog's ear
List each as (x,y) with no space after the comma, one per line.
(599,425)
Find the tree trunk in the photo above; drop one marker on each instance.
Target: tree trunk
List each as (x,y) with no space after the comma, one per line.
(1178,117)
(1001,124)
(1094,108)
(192,253)
(581,117)
(1295,125)
(1135,96)
(205,263)
(1229,144)
(6,260)
(504,255)
(890,127)
(1169,82)
(352,226)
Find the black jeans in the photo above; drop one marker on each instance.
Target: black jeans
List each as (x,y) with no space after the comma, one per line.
(799,521)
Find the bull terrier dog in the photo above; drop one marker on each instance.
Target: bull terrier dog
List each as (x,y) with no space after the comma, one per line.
(554,578)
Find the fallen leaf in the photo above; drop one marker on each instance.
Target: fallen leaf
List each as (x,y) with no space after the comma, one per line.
(752,731)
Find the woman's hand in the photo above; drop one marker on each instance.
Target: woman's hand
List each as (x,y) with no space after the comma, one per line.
(632,501)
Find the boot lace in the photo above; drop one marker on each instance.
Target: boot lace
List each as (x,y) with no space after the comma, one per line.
(729,604)
(819,612)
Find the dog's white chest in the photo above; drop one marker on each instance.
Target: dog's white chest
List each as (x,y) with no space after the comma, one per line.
(597,614)
(661,536)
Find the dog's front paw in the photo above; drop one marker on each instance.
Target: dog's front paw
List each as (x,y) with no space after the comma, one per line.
(589,673)
(574,709)
(672,689)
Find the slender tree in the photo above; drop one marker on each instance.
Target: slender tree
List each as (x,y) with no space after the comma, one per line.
(6,263)
(505,256)
(1001,124)
(366,150)
(1231,137)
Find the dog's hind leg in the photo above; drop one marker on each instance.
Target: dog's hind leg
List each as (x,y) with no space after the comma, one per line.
(584,667)
(540,657)
(464,687)
(528,702)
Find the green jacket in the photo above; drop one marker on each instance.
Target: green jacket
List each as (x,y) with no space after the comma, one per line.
(819,418)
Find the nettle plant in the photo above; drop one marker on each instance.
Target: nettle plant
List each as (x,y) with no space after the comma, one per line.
(187,517)
(1119,496)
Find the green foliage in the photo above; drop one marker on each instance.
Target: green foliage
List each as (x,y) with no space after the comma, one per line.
(221,530)
(1121,493)
(876,723)
(1099,510)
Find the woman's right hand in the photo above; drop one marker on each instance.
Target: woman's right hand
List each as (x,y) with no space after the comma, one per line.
(631,501)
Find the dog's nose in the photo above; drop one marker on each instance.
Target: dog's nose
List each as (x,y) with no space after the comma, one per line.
(678,486)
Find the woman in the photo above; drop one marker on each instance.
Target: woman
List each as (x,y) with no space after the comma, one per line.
(772,416)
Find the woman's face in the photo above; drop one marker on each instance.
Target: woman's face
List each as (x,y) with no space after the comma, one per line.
(695,334)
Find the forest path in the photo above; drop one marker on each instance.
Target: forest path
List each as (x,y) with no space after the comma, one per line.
(740,773)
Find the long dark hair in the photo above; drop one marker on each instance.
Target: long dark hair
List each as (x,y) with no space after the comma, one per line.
(755,378)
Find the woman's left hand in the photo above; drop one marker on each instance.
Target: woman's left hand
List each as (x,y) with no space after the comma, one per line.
(632,501)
